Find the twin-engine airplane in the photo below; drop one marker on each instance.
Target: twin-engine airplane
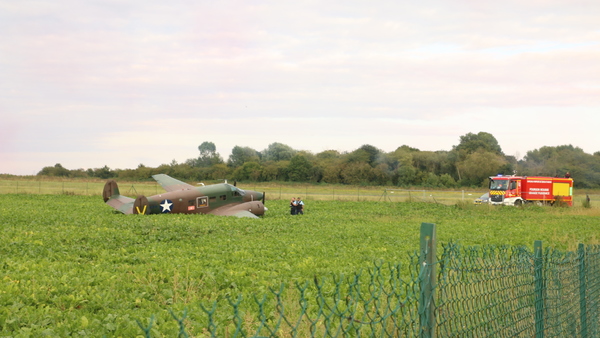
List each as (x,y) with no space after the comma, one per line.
(182,198)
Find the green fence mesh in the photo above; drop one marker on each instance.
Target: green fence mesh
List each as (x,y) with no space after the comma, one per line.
(478,292)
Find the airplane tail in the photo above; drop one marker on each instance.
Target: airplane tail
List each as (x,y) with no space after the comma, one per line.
(113,197)
(110,189)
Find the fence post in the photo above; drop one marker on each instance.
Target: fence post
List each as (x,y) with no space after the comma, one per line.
(427,278)
(582,290)
(538,263)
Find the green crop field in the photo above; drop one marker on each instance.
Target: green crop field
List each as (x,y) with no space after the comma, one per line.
(72,267)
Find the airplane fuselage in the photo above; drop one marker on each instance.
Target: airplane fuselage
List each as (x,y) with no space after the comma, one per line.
(202,200)
(183,198)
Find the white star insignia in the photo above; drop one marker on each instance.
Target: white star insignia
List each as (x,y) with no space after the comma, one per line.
(166,206)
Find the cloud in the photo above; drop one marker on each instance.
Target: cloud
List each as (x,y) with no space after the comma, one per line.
(115,78)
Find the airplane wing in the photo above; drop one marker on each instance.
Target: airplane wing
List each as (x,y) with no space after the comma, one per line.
(247,209)
(238,213)
(170,184)
(122,203)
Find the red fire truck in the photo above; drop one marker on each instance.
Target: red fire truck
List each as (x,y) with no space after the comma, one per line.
(517,190)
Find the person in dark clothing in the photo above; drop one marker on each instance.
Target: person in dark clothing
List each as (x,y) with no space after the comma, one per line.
(293,206)
(299,206)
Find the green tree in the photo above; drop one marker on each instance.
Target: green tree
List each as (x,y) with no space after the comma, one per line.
(208,155)
(249,171)
(79,173)
(144,172)
(372,153)
(327,166)
(381,174)
(187,172)
(429,161)
(403,169)
(471,143)
(328,155)
(332,173)
(104,172)
(218,171)
(357,156)
(446,180)
(275,171)
(556,161)
(431,180)
(278,152)
(240,155)
(56,170)
(478,166)
(357,173)
(299,169)
(405,176)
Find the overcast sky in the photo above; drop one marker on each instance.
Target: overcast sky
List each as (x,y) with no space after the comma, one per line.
(123,83)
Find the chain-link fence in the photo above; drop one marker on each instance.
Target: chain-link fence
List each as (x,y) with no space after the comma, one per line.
(512,292)
(463,292)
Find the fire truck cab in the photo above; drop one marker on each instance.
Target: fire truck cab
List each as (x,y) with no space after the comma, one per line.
(517,190)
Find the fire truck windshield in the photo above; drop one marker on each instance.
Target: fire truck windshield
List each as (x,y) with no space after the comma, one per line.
(498,184)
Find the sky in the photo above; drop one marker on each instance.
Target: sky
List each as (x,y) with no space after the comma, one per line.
(128,82)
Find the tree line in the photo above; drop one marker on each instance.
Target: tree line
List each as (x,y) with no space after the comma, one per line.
(468,164)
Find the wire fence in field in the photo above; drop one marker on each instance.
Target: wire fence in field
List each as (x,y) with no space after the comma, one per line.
(487,291)
(273,191)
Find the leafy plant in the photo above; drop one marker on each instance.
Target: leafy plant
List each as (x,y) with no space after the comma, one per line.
(70,266)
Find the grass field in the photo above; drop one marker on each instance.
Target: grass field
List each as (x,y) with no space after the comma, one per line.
(71,266)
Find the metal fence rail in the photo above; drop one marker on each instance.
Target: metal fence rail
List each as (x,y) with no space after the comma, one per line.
(464,292)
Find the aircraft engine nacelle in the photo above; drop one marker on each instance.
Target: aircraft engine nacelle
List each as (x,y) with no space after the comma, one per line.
(256,207)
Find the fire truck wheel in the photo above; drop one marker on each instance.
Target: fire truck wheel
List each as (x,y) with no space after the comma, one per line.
(518,203)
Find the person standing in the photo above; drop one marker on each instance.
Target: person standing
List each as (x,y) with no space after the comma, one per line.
(293,206)
(299,206)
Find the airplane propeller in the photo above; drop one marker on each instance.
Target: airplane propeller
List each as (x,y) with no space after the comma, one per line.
(264,196)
